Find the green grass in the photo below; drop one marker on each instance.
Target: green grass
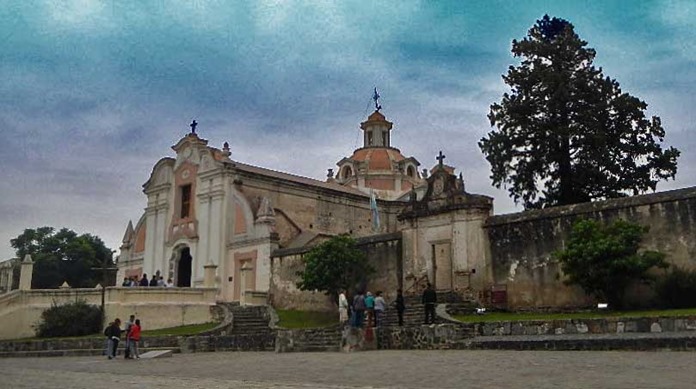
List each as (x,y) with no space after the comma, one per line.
(191,329)
(306,319)
(506,316)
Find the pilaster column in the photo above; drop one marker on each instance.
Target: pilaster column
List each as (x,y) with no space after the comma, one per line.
(209,275)
(26,273)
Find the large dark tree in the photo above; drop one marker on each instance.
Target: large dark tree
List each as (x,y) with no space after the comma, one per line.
(63,256)
(565,133)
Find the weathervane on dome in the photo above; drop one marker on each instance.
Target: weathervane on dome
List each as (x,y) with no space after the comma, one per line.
(375,97)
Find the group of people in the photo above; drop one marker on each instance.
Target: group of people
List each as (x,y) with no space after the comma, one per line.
(156,280)
(113,334)
(366,308)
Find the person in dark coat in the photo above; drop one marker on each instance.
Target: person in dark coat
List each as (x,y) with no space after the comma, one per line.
(144,281)
(400,306)
(429,300)
(113,332)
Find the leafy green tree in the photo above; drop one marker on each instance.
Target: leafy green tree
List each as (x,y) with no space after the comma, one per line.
(334,265)
(604,259)
(565,133)
(61,256)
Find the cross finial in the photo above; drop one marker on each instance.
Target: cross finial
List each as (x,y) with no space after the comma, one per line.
(193,126)
(440,158)
(375,97)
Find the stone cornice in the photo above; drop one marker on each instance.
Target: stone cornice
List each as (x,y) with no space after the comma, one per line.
(592,207)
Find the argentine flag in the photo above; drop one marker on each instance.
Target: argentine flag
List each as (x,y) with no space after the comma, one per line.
(375,211)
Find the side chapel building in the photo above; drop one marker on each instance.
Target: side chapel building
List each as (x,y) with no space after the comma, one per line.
(206,210)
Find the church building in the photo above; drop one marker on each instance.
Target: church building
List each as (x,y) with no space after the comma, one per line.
(207,212)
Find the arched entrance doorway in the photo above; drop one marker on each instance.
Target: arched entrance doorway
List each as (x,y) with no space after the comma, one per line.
(183,268)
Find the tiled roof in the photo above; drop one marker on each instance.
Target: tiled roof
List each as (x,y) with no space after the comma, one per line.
(297,179)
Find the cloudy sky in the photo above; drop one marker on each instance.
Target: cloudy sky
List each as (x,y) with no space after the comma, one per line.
(93,93)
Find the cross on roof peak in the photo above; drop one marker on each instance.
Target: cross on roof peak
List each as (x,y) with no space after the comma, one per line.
(193,126)
(440,158)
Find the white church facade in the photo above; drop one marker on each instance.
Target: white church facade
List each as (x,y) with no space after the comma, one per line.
(207,212)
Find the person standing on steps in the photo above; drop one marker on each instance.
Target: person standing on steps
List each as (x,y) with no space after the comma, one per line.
(370,309)
(342,307)
(358,309)
(429,299)
(380,307)
(400,306)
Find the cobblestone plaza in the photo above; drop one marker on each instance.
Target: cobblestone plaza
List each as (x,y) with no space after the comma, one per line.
(378,369)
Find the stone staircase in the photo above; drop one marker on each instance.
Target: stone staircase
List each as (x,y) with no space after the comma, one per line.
(415,311)
(313,339)
(250,320)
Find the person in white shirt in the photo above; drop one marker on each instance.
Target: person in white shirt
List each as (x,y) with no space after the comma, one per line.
(380,307)
(342,307)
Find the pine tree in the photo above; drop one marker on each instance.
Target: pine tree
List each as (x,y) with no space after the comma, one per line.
(565,133)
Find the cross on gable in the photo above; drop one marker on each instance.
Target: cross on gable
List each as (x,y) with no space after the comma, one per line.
(193,126)
(440,158)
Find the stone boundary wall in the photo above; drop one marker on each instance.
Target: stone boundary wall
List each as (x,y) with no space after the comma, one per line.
(425,337)
(522,244)
(383,251)
(587,326)
(157,308)
(96,345)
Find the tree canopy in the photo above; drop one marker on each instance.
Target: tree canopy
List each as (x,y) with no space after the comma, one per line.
(63,256)
(604,259)
(565,133)
(334,265)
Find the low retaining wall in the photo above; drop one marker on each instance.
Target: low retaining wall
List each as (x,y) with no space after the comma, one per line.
(425,337)
(586,326)
(157,308)
(96,346)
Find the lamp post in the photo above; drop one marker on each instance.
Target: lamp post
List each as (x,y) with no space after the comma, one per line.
(105,272)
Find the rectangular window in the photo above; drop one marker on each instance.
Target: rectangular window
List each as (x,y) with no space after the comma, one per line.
(185,201)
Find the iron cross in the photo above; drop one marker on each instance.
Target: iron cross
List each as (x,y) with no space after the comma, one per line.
(440,158)
(193,126)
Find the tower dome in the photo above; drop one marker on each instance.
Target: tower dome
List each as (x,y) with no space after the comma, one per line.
(377,166)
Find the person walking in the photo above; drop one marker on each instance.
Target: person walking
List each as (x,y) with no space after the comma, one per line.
(400,306)
(342,307)
(380,307)
(135,339)
(429,299)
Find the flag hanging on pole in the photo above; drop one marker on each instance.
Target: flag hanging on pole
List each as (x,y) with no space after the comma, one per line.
(375,211)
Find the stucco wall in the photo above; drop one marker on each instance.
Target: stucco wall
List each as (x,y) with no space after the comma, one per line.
(384,252)
(522,243)
(155,307)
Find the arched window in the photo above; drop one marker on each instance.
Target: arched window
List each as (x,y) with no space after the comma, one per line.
(347,172)
(410,171)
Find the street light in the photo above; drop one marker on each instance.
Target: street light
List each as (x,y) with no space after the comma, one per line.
(105,272)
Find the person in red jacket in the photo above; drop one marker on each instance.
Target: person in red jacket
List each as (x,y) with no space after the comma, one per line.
(135,339)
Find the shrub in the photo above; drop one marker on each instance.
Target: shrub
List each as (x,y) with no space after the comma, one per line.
(677,289)
(71,319)
(605,259)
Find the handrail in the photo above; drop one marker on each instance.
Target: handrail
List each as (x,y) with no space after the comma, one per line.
(417,282)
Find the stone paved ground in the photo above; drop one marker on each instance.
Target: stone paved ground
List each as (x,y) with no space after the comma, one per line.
(378,369)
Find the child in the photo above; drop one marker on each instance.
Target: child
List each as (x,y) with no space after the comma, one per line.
(135,339)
